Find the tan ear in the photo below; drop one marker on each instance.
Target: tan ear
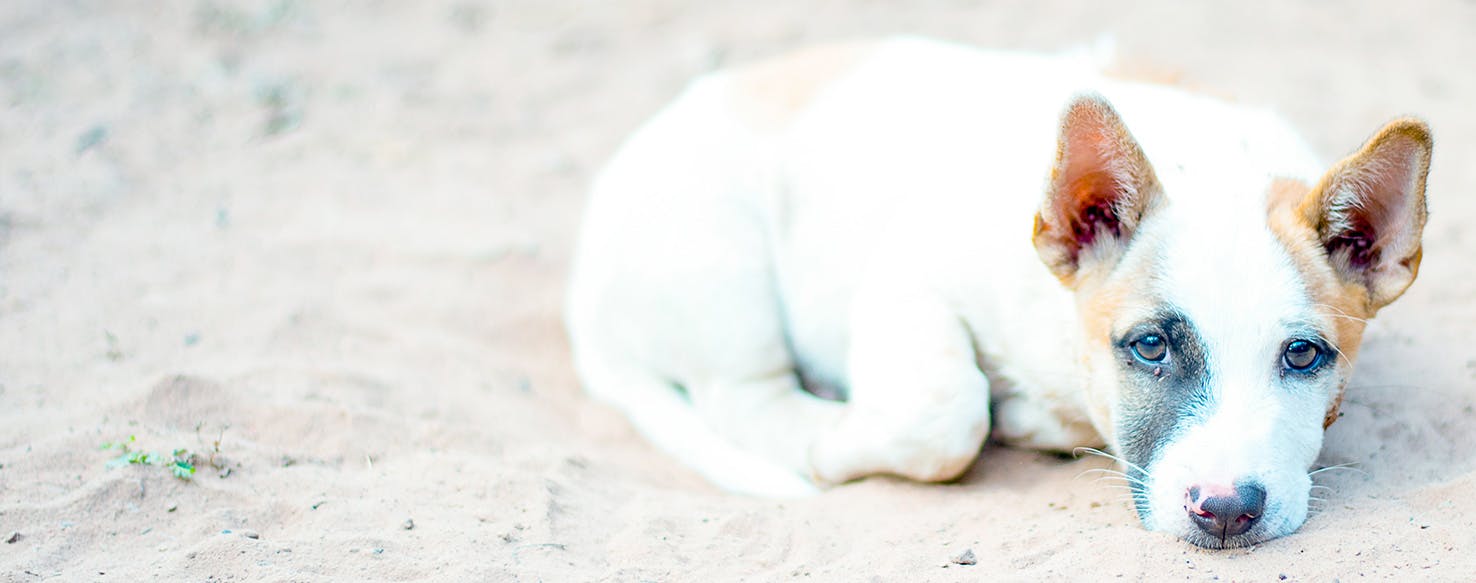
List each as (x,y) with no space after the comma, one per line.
(1369,211)
(1101,188)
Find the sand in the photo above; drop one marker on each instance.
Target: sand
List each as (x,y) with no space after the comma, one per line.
(332,237)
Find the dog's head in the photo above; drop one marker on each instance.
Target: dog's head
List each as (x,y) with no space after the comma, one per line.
(1218,335)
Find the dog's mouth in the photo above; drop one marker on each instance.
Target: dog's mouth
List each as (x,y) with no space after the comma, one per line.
(1211,524)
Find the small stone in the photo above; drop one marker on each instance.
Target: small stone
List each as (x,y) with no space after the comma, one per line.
(1281,576)
(378,551)
(965,558)
(409,524)
(251,534)
(172,507)
(225,473)
(14,536)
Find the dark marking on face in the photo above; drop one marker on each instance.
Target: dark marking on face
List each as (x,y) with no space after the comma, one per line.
(1158,397)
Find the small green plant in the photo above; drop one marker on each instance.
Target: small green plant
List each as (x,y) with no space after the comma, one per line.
(180,462)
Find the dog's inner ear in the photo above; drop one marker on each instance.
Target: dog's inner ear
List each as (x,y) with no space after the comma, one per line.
(1100,189)
(1369,211)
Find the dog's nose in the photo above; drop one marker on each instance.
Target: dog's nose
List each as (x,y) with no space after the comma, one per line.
(1222,511)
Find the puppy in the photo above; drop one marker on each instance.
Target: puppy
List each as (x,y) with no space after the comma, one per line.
(1190,290)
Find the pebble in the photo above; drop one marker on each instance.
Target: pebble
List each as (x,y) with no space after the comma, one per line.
(965,558)
(251,534)
(14,536)
(409,524)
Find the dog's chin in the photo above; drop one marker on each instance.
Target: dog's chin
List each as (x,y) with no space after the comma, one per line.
(1203,540)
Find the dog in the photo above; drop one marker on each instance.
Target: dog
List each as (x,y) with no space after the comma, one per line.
(962,244)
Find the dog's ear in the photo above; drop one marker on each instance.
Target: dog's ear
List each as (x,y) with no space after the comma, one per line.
(1100,189)
(1369,211)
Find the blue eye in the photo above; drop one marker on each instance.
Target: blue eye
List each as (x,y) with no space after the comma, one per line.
(1301,356)
(1150,348)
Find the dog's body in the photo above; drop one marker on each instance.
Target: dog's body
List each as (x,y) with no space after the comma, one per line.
(860,217)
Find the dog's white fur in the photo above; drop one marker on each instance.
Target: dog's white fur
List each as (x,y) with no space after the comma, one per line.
(865,217)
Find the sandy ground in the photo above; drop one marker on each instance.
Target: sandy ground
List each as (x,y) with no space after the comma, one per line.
(333,235)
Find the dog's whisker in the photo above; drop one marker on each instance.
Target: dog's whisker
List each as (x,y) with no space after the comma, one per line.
(1097,452)
(1109,472)
(1120,483)
(1121,477)
(1104,471)
(1347,466)
(1118,479)
(1339,313)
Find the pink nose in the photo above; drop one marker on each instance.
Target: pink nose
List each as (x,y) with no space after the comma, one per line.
(1223,511)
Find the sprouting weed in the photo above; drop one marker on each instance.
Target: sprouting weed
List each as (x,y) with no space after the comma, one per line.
(180,463)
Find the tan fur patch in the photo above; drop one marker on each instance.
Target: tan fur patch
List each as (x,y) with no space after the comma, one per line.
(771,93)
(1298,213)
(1344,304)
(1312,208)
(1140,71)
(1101,305)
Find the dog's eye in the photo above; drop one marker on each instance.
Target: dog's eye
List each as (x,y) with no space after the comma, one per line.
(1150,348)
(1302,355)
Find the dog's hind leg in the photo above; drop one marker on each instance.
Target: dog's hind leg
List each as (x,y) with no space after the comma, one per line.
(726,431)
(919,405)
(770,415)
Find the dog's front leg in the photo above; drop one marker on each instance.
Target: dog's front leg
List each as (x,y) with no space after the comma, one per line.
(919,405)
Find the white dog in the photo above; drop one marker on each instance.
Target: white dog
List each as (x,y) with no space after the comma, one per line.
(960,241)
